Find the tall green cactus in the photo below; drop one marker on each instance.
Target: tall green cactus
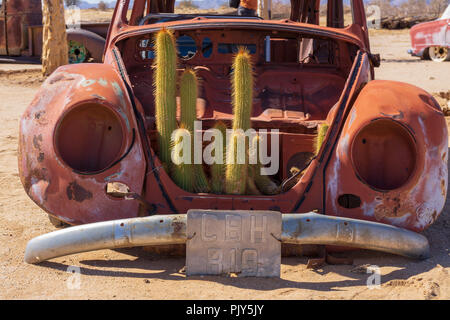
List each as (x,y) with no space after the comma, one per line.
(236,173)
(165,90)
(181,171)
(188,98)
(264,183)
(188,115)
(201,183)
(242,91)
(252,189)
(218,169)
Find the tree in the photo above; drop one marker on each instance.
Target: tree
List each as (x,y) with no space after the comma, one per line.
(437,7)
(102,6)
(54,47)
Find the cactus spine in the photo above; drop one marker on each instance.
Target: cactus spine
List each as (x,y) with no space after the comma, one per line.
(242,91)
(218,169)
(165,90)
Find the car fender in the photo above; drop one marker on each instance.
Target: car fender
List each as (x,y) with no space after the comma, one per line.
(417,201)
(94,43)
(68,194)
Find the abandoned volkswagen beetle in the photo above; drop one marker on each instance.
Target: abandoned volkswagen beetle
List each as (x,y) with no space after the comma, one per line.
(88,151)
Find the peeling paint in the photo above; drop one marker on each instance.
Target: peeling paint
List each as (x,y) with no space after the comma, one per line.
(113,176)
(87,82)
(103,82)
(77,192)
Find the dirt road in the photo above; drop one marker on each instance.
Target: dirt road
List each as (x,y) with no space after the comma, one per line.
(133,273)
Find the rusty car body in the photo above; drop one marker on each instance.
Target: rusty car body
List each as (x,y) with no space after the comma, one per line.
(431,40)
(21,33)
(379,178)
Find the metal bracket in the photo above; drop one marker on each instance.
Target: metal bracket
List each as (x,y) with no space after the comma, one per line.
(121,190)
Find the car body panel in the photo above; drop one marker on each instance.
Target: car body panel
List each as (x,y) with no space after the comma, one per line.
(123,83)
(419,201)
(431,34)
(68,195)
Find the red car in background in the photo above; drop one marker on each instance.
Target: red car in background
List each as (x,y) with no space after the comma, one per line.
(431,40)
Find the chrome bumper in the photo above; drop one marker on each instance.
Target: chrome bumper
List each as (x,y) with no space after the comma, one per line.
(308,228)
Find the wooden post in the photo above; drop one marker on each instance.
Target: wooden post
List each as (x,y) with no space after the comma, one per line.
(54,48)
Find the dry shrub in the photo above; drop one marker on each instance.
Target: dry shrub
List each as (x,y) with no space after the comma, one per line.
(187,4)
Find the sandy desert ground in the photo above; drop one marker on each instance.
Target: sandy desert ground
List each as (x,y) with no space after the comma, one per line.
(134,273)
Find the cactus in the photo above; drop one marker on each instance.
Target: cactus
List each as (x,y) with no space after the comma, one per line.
(263,182)
(236,173)
(201,183)
(218,169)
(252,189)
(188,98)
(188,113)
(181,172)
(242,91)
(165,90)
(321,133)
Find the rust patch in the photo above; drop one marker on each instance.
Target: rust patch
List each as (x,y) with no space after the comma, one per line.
(434,215)
(177,227)
(34,176)
(77,192)
(392,206)
(37,142)
(38,115)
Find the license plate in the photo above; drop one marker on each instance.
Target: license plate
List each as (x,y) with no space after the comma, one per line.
(237,241)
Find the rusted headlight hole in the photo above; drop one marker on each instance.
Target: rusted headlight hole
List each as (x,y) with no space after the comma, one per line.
(89,137)
(384,154)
